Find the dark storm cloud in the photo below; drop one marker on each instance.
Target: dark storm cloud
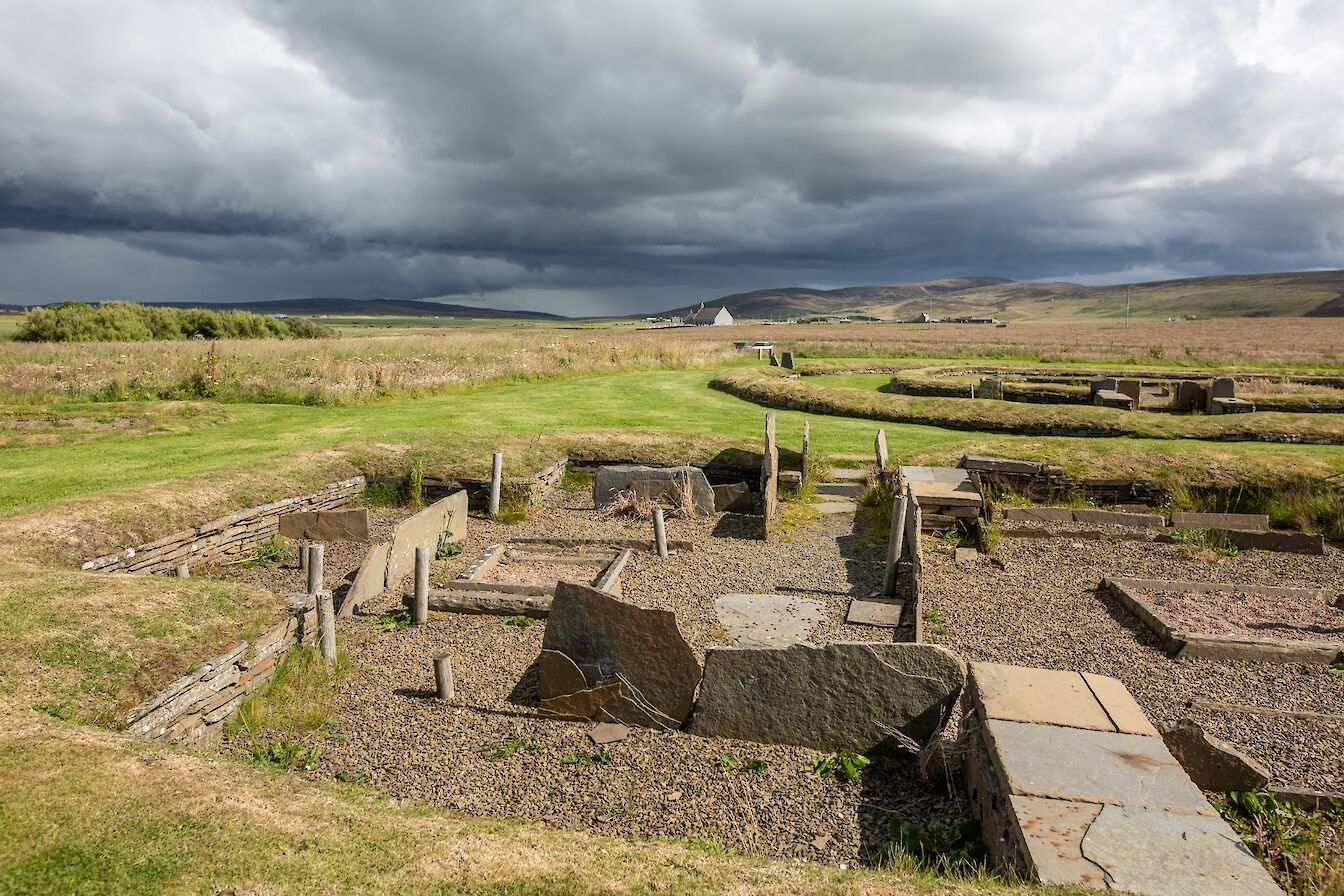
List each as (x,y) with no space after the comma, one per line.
(610,155)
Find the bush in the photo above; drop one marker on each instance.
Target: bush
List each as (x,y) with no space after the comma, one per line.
(129,322)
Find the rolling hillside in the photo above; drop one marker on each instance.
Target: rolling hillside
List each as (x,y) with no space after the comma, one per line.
(1304,294)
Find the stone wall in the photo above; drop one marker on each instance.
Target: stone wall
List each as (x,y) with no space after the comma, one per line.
(193,708)
(234,535)
(539,486)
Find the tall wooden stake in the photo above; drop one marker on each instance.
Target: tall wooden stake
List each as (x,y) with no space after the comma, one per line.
(314,568)
(420,610)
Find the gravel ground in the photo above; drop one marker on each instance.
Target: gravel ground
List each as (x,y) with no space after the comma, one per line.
(1298,618)
(1042,608)
(539,572)
(488,753)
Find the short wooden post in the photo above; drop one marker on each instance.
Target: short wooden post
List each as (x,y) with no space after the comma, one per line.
(326,626)
(659,532)
(314,568)
(496,479)
(807,445)
(183,571)
(895,540)
(420,610)
(443,676)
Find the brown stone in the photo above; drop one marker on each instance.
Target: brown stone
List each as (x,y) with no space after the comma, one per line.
(733,498)
(1211,763)
(610,661)
(326,525)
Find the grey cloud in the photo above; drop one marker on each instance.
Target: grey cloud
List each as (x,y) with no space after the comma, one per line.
(626,156)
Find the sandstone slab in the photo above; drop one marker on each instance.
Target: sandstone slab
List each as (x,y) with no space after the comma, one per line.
(839,696)
(1245,522)
(326,525)
(445,518)
(370,581)
(1211,763)
(1112,518)
(610,661)
(768,620)
(611,480)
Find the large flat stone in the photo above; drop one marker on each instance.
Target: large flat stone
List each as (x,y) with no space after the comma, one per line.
(611,480)
(326,525)
(768,620)
(950,475)
(835,507)
(1125,712)
(1288,542)
(1245,522)
(1158,853)
(947,494)
(1038,696)
(840,696)
(1091,766)
(447,515)
(999,465)
(1050,835)
(875,611)
(610,661)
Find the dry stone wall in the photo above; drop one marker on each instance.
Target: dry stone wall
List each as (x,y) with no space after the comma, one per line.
(193,708)
(234,535)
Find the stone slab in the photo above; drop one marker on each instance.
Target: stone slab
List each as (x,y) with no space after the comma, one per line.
(608,733)
(965,556)
(1091,766)
(844,474)
(1120,705)
(947,494)
(1112,518)
(839,696)
(835,507)
(841,489)
(1038,514)
(950,475)
(1038,696)
(370,580)
(986,464)
(768,620)
(447,516)
(326,525)
(1050,838)
(1287,542)
(877,612)
(1246,522)
(1158,853)
(611,661)
(610,480)
(733,498)
(1213,764)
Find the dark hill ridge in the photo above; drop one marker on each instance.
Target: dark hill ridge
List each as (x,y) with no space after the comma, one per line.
(1305,293)
(404,307)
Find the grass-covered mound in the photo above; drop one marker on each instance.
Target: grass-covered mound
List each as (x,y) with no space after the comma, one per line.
(129,322)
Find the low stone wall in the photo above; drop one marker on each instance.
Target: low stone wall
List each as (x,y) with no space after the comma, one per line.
(234,535)
(193,708)
(538,486)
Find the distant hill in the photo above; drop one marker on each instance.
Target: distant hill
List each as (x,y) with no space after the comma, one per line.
(369,307)
(1304,294)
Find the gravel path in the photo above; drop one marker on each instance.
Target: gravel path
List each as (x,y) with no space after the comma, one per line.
(1042,608)
(489,754)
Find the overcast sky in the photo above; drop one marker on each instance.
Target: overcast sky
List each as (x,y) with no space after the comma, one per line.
(590,156)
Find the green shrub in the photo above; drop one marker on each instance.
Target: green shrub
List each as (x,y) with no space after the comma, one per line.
(131,322)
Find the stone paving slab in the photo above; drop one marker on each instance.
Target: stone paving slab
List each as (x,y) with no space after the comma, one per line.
(1091,766)
(844,474)
(842,489)
(875,611)
(835,507)
(1040,696)
(950,475)
(1050,834)
(768,620)
(947,494)
(1120,705)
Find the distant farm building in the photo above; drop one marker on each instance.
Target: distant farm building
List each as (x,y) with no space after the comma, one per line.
(710,317)
(974,320)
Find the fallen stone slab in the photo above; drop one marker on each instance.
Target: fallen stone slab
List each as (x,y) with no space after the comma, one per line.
(875,611)
(733,498)
(768,620)
(611,480)
(1113,518)
(1245,522)
(370,580)
(610,661)
(326,525)
(1211,763)
(839,696)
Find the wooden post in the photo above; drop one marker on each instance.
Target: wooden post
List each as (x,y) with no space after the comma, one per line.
(183,571)
(303,558)
(326,626)
(659,532)
(443,676)
(420,610)
(496,479)
(807,439)
(895,541)
(314,568)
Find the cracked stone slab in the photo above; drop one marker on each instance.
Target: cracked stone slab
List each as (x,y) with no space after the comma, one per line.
(1050,833)
(1158,853)
(1039,696)
(768,620)
(839,696)
(610,661)
(1091,766)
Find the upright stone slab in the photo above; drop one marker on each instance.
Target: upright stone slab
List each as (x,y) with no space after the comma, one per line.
(769,475)
(735,497)
(1211,763)
(839,696)
(446,517)
(880,450)
(325,526)
(990,388)
(1191,396)
(610,481)
(610,661)
(786,360)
